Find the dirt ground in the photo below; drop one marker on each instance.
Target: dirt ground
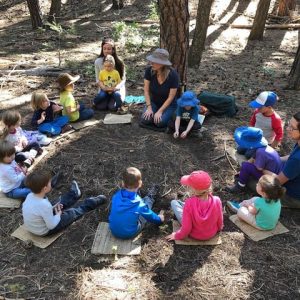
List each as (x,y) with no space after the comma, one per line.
(238,268)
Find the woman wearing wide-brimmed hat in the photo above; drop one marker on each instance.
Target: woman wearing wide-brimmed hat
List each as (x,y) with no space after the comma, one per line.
(161,83)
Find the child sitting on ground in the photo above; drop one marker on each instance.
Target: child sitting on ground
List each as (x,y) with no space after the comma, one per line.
(201,215)
(129,212)
(12,175)
(27,143)
(44,118)
(262,212)
(71,108)
(187,116)
(109,78)
(265,159)
(41,218)
(265,118)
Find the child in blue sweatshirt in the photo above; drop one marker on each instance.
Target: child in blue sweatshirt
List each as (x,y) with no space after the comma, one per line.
(129,212)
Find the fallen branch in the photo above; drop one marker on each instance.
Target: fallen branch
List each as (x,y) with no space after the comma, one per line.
(275,26)
(227,157)
(38,71)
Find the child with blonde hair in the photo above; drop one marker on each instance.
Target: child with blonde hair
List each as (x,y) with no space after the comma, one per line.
(201,215)
(44,117)
(262,212)
(71,107)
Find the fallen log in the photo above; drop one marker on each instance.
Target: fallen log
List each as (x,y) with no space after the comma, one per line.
(37,71)
(271,26)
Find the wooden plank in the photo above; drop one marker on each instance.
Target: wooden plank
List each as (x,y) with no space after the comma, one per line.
(6,202)
(86,123)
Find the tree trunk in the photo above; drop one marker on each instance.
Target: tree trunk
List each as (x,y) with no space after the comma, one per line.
(117,4)
(54,10)
(174,34)
(294,80)
(195,53)
(260,19)
(285,6)
(35,13)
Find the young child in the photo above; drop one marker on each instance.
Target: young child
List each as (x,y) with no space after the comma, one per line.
(27,143)
(187,116)
(129,212)
(11,174)
(41,218)
(265,159)
(44,116)
(201,215)
(109,78)
(71,108)
(265,118)
(262,212)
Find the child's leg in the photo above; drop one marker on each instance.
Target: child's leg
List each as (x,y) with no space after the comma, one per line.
(54,127)
(20,192)
(117,98)
(244,214)
(177,207)
(101,97)
(196,126)
(247,171)
(85,113)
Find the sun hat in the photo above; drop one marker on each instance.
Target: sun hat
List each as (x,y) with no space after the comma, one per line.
(250,137)
(198,180)
(188,98)
(160,56)
(264,99)
(65,79)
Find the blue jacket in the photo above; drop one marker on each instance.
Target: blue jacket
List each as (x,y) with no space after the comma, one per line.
(126,209)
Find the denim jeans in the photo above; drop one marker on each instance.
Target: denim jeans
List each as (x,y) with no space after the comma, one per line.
(70,214)
(246,151)
(85,113)
(248,171)
(165,118)
(177,207)
(104,97)
(20,192)
(54,127)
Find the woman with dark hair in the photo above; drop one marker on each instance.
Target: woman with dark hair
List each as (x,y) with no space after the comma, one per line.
(108,48)
(161,83)
(289,177)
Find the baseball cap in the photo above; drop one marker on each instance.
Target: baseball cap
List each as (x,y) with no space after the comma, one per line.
(198,180)
(264,99)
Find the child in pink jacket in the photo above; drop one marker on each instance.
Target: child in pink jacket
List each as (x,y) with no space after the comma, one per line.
(201,215)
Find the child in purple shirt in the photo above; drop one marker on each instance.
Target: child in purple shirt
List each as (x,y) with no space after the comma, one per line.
(265,159)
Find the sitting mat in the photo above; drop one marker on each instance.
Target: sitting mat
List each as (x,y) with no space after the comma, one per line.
(86,123)
(117,119)
(39,241)
(216,240)
(256,234)
(106,243)
(134,99)
(6,202)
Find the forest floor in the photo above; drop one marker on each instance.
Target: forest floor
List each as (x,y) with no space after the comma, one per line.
(95,156)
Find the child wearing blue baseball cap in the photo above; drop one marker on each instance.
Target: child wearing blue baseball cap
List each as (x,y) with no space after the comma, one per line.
(265,118)
(187,116)
(265,160)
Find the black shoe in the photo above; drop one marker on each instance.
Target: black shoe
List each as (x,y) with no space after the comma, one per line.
(152,192)
(236,188)
(56,179)
(94,202)
(75,188)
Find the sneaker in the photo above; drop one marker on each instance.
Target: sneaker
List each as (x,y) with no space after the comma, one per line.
(66,128)
(32,153)
(56,179)
(75,188)
(94,202)
(152,192)
(27,163)
(233,205)
(236,188)
(121,111)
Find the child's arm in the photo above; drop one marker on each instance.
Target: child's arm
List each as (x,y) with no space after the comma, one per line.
(38,118)
(277,126)
(49,218)
(177,125)
(150,215)
(188,129)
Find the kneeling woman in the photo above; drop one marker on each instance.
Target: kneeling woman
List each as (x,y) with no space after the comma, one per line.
(161,83)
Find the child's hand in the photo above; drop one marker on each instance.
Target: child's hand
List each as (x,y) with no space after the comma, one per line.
(184,134)
(57,210)
(57,108)
(24,143)
(43,116)
(176,134)
(24,169)
(171,237)
(162,217)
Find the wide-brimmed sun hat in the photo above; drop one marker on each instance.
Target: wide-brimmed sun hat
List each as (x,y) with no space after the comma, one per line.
(65,79)
(188,98)
(250,137)
(160,56)
(198,180)
(264,99)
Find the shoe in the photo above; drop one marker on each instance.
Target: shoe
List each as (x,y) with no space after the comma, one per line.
(94,202)
(27,163)
(75,188)
(121,111)
(236,188)
(33,153)
(152,192)
(233,205)
(66,128)
(43,140)
(56,179)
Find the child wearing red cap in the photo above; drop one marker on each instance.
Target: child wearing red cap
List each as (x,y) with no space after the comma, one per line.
(201,215)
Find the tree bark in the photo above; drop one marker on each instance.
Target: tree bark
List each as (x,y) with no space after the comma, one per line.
(54,10)
(285,6)
(260,19)
(35,13)
(174,34)
(117,4)
(294,76)
(195,52)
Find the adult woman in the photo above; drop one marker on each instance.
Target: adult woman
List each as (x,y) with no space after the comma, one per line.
(289,177)
(108,47)
(160,88)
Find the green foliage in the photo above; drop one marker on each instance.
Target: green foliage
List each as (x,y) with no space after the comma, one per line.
(87,69)
(131,74)
(269,72)
(55,27)
(154,11)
